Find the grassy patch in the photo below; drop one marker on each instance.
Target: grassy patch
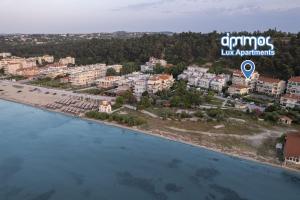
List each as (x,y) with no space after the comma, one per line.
(53,83)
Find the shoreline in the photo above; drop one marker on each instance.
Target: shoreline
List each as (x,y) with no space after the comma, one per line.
(155,134)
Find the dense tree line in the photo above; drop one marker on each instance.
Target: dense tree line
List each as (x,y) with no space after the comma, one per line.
(184,48)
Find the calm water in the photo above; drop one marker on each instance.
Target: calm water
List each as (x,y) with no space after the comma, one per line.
(47,155)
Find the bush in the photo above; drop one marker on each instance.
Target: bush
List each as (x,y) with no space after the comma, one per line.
(271,116)
(121,119)
(216,113)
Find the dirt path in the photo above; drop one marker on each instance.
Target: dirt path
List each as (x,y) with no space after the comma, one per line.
(253,139)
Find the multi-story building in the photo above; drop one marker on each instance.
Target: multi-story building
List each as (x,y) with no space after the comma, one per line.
(219,82)
(159,82)
(5,54)
(290,101)
(45,58)
(108,81)
(53,70)
(12,68)
(155,61)
(293,86)
(205,80)
(238,78)
(149,66)
(12,64)
(192,73)
(292,148)
(199,77)
(270,86)
(140,86)
(117,68)
(238,89)
(86,75)
(28,72)
(130,79)
(67,61)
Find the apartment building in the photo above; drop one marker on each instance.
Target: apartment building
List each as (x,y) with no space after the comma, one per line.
(28,72)
(238,89)
(154,61)
(45,58)
(130,79)
(108,81)
(290,101)
(53,70)
(5,54)
(117,68)
(218,82)
(238,78)
(270,86)
(192,73)
(12,64)
(292,148)
(140,86)
(159,82)
(149,66)
(67,60)
(86,75)
(293,86)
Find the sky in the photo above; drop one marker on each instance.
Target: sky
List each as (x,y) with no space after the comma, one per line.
(87,16)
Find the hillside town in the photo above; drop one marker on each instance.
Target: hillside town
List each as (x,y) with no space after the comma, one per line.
(234,92)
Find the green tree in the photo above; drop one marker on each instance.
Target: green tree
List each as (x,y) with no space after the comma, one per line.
(111,72)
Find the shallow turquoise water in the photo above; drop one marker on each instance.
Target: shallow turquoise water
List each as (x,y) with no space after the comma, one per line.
(47,156)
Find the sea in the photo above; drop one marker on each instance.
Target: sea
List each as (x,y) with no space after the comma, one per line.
(51,156)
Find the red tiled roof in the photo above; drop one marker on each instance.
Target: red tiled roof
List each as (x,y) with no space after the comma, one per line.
(239,86)
(291,96)
(268,79)
(237,73)
(292,145)
(295,79)
(285,118)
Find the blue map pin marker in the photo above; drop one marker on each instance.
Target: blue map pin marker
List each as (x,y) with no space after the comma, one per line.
(248,72)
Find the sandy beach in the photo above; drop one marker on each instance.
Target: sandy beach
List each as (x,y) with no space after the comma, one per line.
(40,97)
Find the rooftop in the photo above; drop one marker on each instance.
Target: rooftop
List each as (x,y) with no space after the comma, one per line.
(295,79)
(268,79)
(292,145)
(291,96)
(238,86)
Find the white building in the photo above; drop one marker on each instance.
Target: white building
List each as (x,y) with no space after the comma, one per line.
(45,58)
(290,101)
(270,86)
(67,61)
(149,66)
(12,64)
(5,54)
(159,82)
(86,75)
(105,107)
(219,82)
(117,68)
(238,78)
(292,148)
(238,89)
(108,81)
(293,86)
(140,86)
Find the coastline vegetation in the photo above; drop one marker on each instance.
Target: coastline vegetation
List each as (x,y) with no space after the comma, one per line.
(121,119)
(49,82)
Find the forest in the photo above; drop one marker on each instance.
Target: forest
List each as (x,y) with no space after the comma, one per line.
(180,48)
